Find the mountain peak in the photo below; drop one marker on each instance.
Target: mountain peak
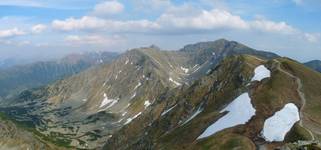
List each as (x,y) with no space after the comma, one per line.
(218,44)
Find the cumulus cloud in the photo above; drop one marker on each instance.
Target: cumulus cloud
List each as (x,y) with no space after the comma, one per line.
(174,20)
(168,21)
(11,33)
(92,40)
(271,26)
(39,28)
(204,20)
(183,19)
(108,8)
(85,22)
(94,23)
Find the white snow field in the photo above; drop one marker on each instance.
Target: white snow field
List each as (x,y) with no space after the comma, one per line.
(261,72)
(276,127)
(239,112)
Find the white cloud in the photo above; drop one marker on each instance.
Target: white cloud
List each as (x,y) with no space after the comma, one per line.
(312,37)
(108,8)
(92,40)
(39,28)
(176,19)
(271,26)
(85,22)
(94,23)
(204,20)
(11,33)
(183,19)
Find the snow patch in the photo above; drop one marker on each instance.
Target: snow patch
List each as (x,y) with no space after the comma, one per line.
(168,110)
(239,112)
(108,102)
(208,71)
(124,113)
(175,82)
(197,68)
(134,95)
(199,110)
(120,120)
(185,69)
(147,103)
(84,100)
(138,85)
(276,127)
(196,65)
(261,72)
(127,60)
(132,118)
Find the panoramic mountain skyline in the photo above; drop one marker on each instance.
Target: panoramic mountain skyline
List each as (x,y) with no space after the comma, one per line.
(38,29)
(160,74)
(217,95)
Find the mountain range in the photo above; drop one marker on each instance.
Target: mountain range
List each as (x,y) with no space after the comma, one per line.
(209,95)
(15,79)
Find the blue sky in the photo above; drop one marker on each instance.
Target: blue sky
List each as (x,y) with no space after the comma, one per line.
(53,28)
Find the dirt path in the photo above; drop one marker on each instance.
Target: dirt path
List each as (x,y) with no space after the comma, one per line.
(301,95)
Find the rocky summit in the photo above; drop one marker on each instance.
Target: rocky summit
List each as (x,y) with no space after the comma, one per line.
(209,95)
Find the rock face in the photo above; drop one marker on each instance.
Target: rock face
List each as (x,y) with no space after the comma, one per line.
(13,80)
(153,99)
(314,64)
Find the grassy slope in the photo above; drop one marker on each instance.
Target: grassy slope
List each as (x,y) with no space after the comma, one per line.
(15,135)
(311,87)
(215,91)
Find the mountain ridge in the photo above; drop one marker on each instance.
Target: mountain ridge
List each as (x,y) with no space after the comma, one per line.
(149,98)
(15,79)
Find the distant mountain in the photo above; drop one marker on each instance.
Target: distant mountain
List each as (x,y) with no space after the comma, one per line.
(95,97)
(153,99)
(9,62)
(314,64)
(18,78)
